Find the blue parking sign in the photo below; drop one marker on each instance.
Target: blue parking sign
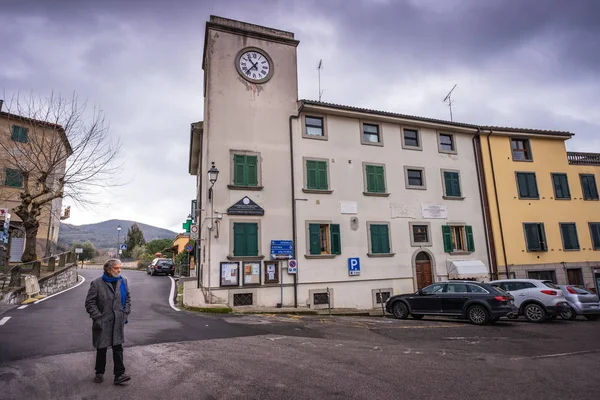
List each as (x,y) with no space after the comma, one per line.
(354,266)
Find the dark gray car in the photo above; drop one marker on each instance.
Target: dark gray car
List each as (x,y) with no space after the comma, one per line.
(581,302)
(161,266)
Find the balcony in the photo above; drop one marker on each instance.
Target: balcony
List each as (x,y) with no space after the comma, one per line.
(577,158)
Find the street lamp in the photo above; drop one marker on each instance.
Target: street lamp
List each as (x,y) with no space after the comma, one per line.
(118,239)
(213,175)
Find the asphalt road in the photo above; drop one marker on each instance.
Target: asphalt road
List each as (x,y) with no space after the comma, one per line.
(172,354)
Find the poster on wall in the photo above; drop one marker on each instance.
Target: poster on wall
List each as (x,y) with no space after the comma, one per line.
(251,273)
(230,274)
(271,271)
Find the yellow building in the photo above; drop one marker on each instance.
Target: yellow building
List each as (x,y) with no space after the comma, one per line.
(543,206)
(179,246)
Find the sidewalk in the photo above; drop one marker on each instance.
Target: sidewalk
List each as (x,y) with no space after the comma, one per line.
(307,311)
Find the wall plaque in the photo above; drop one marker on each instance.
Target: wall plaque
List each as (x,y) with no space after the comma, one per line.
(245,207)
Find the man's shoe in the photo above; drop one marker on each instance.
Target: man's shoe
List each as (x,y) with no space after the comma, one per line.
(98,378)
(121,378)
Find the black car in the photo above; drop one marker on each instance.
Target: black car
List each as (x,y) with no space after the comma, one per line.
(161,266)
(480,303)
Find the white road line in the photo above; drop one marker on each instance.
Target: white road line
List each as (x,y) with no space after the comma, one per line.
(3,320)
(171,295)
(66,290)
(575,353)
(22,307)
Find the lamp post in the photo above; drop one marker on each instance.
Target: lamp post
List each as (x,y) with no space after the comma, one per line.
(118,240)
(213,175)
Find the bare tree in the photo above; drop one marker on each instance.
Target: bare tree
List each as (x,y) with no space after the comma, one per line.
(66,152)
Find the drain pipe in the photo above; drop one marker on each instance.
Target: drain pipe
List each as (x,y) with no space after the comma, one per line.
(497,203)
(294,222)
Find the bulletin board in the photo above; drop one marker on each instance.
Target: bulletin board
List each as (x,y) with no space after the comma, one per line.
(271,271)
(251,270)
(230,274)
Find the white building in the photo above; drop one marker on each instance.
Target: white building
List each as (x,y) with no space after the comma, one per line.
(397,195)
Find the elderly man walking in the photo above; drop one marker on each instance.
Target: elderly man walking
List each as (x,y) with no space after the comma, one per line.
(108,302)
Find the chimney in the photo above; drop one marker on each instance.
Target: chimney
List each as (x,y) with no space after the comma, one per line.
(1,104)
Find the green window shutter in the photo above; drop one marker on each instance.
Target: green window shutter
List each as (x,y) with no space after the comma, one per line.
(19,134)
(452,183)
(13,177)
(590,190)
(532,185)
(314,233)
(251,239)
(239,162)
(252,166)
(561,186)
(384,239)
(375,239)
(522,185)
(336,243)
(379,179)
(321,167)
(371,188)
(595,232)
(532,238)
(542,237)
(311,174)
(470,238)
(447,234)
(239,239)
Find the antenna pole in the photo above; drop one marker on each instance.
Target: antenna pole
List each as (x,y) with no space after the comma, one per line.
(448,98)
(319,72)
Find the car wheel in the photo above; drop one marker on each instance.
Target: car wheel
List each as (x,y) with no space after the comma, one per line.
(478,315)
(399,310)
(568,313)
(417,316)
(534,313)
(592,317)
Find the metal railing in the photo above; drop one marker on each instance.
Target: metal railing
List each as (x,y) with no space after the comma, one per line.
(28,267)
(579,158)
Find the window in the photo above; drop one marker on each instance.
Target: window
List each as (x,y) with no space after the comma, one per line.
(451,183)
(316,175)
(419,234)
(435,288)
(520,150)
(446,143)
(595,233)
(575,276)
(245,170)
(13,177)
(245,239)
(371,134)
(542,275)
(535,237)
(411,139)
(313,126)
(561,186)
(527,185)
(458,238)
(456,288)
(476,289)
(514,286)
(380,238)
(19,134)
(588,187)
(375,178)
(568,232)
(324,239)
(414,177)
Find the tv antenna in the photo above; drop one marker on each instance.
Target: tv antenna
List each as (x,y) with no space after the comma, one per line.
(319,67)
(448,99)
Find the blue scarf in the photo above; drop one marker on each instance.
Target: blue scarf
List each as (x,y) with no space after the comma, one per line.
(123,287)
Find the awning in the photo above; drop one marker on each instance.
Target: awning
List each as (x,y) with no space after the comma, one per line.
(467,269)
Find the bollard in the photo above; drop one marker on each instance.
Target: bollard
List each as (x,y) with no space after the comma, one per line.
(328,302)
(36,268)
(51,264)
(381,301)
(61,261)
(15,277)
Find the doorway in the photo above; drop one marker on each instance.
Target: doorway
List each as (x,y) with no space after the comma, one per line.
(423,270)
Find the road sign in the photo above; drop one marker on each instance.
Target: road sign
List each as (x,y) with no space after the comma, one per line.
(123,247)
(78,250)
(280,248)
(354,266)
(194,231)
(292,267)
(189,248)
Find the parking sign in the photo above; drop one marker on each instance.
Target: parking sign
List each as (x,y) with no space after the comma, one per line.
(354,266)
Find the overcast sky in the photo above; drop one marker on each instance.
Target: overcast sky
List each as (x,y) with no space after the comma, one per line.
(523,63)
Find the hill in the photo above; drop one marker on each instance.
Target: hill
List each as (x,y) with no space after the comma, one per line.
(104,234)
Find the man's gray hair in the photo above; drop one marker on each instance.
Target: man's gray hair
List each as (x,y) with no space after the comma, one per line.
(110,263)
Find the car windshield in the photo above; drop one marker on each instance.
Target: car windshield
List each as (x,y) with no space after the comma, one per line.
(435,288)
(165,263)
(550,284)
(580,290)
(500,290)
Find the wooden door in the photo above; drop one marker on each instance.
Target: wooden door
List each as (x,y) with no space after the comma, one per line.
(575,277)
(423,268)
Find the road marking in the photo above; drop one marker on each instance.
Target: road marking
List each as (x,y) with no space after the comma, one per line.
(22,307)
(3,320)
(171,294)
(66,290)
(575,353)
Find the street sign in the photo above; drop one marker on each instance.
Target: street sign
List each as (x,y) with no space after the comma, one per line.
(78,250)
(194,231)
(3,212)
(189,248)
(292,267)
(354,266)
(281,248)
(123,247)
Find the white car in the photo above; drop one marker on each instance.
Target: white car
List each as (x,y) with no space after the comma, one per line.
(537,300)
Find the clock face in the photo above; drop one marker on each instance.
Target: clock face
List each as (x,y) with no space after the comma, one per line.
(254,65)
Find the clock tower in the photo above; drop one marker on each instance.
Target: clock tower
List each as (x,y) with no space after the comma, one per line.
(250,93)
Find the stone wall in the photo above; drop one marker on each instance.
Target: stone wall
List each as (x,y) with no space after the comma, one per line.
(60,280)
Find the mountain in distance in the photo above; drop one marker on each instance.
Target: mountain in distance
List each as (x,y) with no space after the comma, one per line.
(104,234)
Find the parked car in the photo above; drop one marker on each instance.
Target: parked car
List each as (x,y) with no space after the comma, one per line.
(537,300)
(581,302)
(480,303)
(161,266)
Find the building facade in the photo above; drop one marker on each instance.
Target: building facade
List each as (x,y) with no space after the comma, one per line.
(544,206)
(373,203)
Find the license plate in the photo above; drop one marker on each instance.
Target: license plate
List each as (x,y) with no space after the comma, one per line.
(593,306)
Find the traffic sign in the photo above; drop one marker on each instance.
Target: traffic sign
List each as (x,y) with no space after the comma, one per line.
(292,266)
(194,231)
(354,266)
(78,250)
(123,247)
(280,248)
(189,248)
